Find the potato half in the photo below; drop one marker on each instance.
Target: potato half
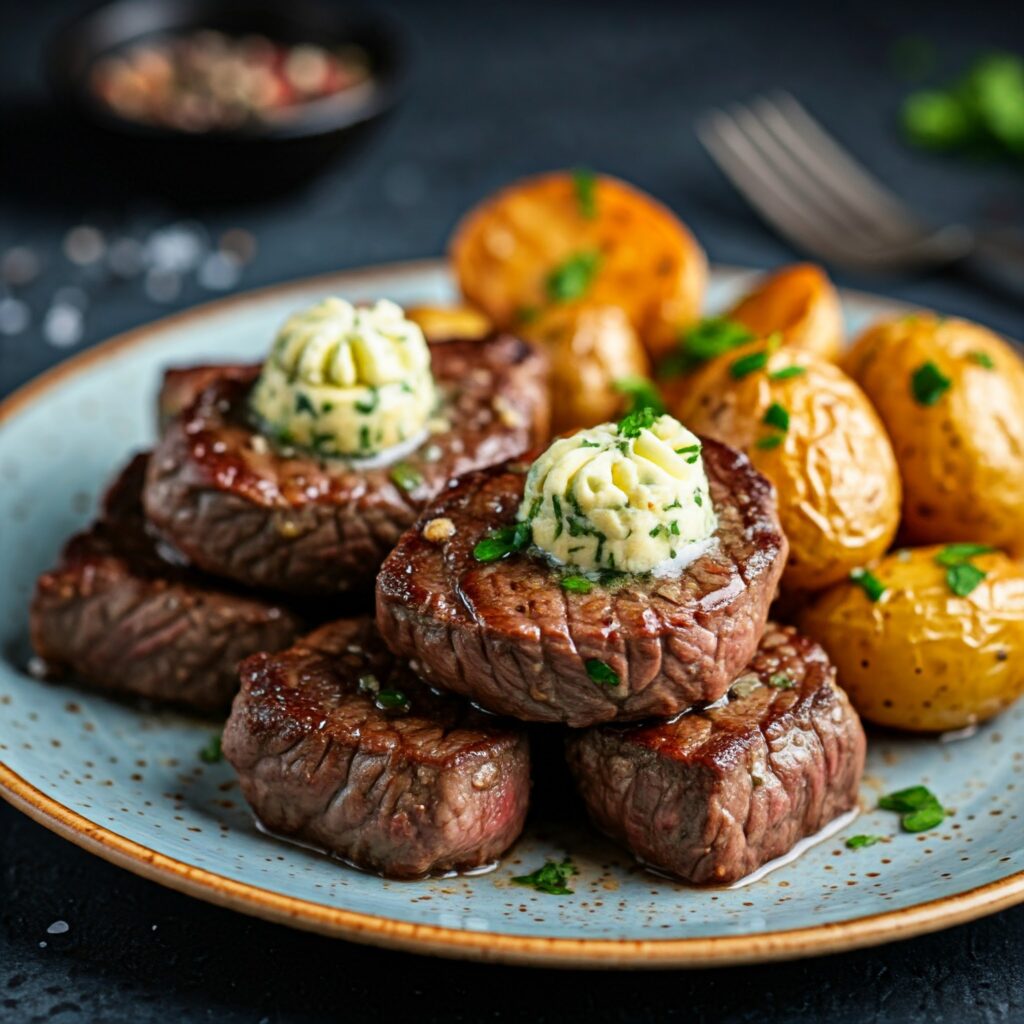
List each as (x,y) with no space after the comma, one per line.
(921,657)
(814,434)
(951,394)
(589,348)
(510,255)
(801,304)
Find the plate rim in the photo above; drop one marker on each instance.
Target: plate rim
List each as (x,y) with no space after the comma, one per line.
(373,929)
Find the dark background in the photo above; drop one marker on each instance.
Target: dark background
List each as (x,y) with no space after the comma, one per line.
(496,91)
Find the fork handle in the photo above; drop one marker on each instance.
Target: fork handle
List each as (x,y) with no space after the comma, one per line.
(997,260)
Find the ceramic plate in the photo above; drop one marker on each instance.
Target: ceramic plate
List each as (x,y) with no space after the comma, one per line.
(131,787)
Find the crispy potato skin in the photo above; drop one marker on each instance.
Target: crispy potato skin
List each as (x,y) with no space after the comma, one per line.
(588,349)
(834,470)
(651,266)
(448,323)
(800,303)
(922,658)
(962,459)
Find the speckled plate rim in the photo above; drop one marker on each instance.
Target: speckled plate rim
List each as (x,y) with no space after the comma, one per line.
(821,939)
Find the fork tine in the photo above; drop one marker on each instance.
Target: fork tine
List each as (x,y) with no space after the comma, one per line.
(835,166)
(742,164)
(807,186)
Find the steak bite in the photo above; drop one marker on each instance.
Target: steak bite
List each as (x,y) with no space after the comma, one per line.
(341,745)
(509,635)
(237,505)
(714,793)
(116,615)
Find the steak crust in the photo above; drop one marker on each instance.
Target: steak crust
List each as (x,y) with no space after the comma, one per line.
(406,793)
(508,635)
(118,616)
(713,794)
(274,518)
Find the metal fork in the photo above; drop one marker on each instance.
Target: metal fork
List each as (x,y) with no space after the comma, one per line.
(798,177)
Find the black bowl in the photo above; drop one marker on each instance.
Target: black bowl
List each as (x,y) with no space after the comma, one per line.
(253,160)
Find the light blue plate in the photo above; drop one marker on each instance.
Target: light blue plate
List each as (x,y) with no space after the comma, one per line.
(131,787)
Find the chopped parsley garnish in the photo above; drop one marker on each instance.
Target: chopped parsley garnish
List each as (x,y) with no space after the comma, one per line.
(859,842)
(364,437)
(781,681)
(527,314)
(711,337)
(639,419)
(787,373)
(590,444)
(577,584)
(212,752)
(698,500)
(964,578)
(641,392)
(687,449)
(303,404)
(869,583)
(551,879)
(584,183)
(982,359)
(500,543)
(918,807)
(928,384)
(777,416)
(404,476)
(748,364)
(572,279)
(556,504)
(767,443)
(370,404)
(962,575)
(392,700)
(602,673)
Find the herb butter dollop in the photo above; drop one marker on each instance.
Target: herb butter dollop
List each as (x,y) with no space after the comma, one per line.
(344,380)
(629,496)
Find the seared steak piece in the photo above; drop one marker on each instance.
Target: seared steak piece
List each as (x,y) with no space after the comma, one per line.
(182,385)
(713,794)
(510,637)
(340,745)
(117,615)
(236,506)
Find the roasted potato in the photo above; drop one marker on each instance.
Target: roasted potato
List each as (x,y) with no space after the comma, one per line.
(589,348)
(449,323)
(951,394)
(800,303)
(921,657)
(562,237)
(814,434)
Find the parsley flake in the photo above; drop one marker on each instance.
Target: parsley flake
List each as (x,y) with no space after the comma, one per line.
(767,443)
(918,807)
(212,752)
(707,339)
(964,578)
(577,584)
(303,404)
(641,392)
(869,583)
(571,279)
(787,373)
(602,673)
(551,879)
(503,542)
(639,419)
(584,183)
(957,554)
(392,700)
(404,476)
(780,681)
(928,384)
(982,359)
(748,364)
(777,416)
(859,842)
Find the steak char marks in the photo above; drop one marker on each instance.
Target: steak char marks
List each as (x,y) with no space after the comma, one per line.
(275,518)
(116,615)
(713,794)
(338,744)
(509,636)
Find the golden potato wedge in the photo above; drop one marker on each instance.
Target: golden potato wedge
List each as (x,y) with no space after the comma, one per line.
(923,657)
(951,394)
(589,348)
(813,433)
(449,323)
(562,237)
(801,304)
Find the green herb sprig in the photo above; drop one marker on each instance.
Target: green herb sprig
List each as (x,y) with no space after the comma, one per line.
(918,807)
(869,583)
(705,340)
(641,392)
(502,542)
(552,879)
(602,673)
(573,278)
(928,384)
(962,576)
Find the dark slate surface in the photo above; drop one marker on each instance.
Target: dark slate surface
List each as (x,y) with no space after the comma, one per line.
(497,91)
